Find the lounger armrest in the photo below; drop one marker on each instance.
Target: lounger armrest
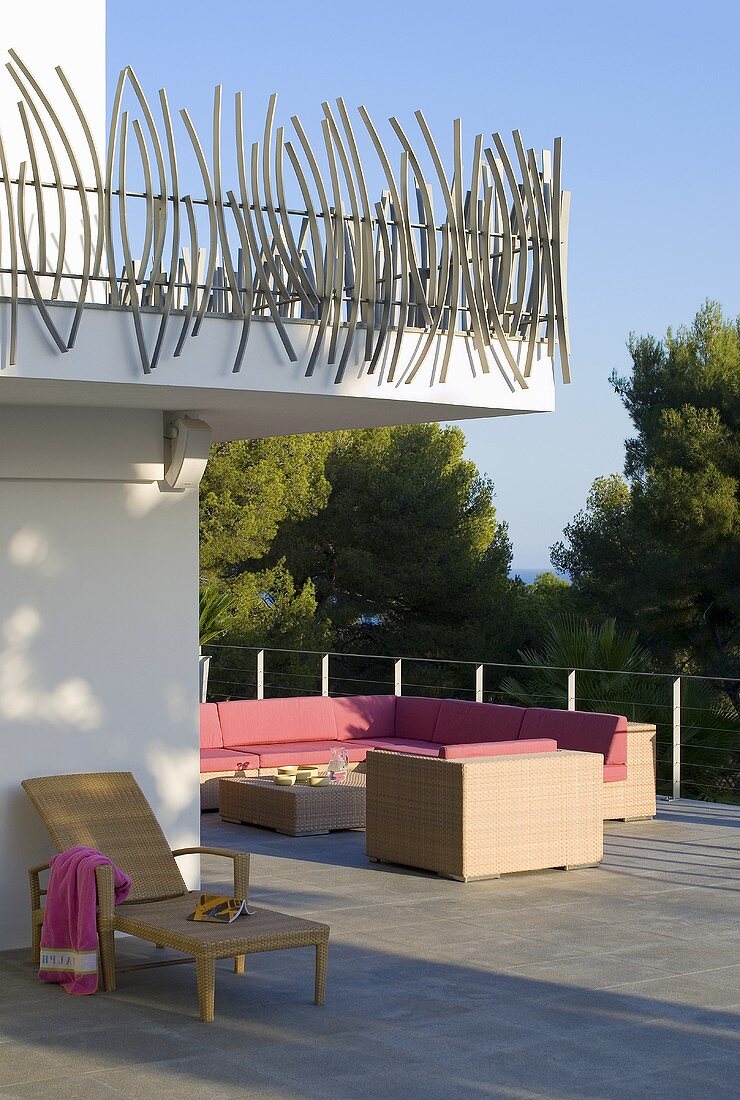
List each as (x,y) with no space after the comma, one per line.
(34,882)
(106,895)
(241,865)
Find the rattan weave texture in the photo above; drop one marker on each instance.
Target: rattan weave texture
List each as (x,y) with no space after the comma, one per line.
(266,930)
(485,817)
(209,785)
(300,810)
(634,797)
(108,811)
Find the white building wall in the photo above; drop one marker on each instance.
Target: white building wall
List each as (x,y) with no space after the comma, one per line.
(98,626)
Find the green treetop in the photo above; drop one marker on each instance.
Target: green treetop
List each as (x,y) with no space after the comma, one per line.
(661,549)
(407,556)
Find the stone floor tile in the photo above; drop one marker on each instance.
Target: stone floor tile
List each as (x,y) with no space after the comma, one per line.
(587,985)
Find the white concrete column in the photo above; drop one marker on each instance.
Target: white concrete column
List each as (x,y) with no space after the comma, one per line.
(98,625)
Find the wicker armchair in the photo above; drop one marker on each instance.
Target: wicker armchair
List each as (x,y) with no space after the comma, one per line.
(485,817)
(108,811)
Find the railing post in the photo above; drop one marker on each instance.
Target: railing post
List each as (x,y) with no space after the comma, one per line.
(325,674)
(397,676)
(676,785)
(260,674)
(479,684)
(572,689)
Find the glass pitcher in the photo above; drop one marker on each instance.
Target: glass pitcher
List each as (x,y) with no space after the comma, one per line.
(337,767)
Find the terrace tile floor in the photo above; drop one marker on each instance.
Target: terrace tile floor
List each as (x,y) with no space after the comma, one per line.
(621,981)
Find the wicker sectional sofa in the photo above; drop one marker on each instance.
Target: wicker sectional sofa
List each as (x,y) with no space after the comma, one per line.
(256,736)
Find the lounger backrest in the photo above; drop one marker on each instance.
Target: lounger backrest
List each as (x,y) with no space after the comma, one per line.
(108,811)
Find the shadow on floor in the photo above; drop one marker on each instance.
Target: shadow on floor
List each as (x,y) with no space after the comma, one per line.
(393,1026)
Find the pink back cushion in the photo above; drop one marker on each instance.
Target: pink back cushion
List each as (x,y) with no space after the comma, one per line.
(416,717)
(463,723)
(275,721)
(364,716)
(210,727)
(579,730)
(497,748)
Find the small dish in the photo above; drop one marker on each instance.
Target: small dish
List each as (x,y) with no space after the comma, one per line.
(288,770)
(284,780)
(319,781)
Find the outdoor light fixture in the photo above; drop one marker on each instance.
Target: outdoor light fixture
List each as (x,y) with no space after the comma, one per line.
(188,442)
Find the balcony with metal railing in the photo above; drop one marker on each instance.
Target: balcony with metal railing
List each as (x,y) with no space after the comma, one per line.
(356,265)
(698,730)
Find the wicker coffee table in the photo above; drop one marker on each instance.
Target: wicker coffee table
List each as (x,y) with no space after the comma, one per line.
(300,810)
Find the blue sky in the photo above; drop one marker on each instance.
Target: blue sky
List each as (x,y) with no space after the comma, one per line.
(645,96)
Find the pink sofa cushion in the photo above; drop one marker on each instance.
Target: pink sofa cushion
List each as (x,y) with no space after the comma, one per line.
(406,744)
(580,730)
(613,773)
(364,716)
(225,760)
(275,721)
(497,748)
(462,723)
(307,752)
(416,717)
(210,727)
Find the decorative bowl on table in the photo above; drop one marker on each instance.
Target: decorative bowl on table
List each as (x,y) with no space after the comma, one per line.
(304,774)
(319,781)
(288,770)
(284,780)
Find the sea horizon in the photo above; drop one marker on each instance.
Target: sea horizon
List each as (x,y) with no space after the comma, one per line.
(529,575)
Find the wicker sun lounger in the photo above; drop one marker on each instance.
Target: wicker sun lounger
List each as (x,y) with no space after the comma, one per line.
(108,811)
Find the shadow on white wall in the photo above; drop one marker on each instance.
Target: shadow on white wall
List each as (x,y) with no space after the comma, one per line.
(23,698)
(71,703)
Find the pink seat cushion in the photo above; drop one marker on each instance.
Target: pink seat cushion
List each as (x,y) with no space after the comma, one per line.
(614,772)
(364,716)
(580,730)
(405,744)
(307,752)
(210,727)
(276,721)
(497,748)
(463,723)
(416,717)
(224,760)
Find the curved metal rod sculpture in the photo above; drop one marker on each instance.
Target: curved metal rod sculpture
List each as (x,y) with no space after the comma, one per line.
(389,287)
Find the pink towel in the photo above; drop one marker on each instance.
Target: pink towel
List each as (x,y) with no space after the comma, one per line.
(69,937)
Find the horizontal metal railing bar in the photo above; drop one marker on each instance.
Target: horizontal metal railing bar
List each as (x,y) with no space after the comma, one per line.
(486,664)
(391,222)
(177,311)
(360,679)
(417,684)
(225,683)
(720,776)
(733,768)
(702,710)
(726,749)
(275,675)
